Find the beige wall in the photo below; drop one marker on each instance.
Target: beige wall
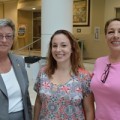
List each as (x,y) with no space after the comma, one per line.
(1,10)
(94,48)
(110,6)
(100,11)
(9,10)
(25,18)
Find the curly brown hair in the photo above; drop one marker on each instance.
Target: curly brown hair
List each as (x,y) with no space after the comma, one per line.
(75,55)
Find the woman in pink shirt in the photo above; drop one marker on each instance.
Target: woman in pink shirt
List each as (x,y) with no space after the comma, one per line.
(105,82)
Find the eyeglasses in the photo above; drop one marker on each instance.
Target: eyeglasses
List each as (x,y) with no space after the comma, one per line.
(7,37)
(106,73)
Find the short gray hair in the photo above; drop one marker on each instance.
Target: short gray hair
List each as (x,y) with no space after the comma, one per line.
(8,22)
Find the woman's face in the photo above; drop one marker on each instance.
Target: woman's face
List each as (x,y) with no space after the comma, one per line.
(6,39)
(61,48)
(113,36)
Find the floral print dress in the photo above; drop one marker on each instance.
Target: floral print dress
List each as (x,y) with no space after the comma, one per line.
(63,102)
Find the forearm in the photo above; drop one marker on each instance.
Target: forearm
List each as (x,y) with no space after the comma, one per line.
(89,107)
(90,115)
(37,109)
(36,112)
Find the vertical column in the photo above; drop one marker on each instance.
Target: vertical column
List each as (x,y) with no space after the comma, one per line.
(55,14)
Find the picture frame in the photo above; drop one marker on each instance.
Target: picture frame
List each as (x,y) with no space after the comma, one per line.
(81,13)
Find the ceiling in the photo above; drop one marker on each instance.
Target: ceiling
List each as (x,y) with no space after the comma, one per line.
(18,0)
(29,4)
(26,4)
(4,0)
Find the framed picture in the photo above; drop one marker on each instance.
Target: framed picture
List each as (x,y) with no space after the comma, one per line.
(81,13)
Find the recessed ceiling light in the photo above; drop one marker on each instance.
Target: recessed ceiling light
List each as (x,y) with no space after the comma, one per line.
(33,8)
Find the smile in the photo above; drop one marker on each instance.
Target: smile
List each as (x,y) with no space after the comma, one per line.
(116,42)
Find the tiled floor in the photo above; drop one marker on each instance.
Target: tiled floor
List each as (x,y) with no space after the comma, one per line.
(88,65)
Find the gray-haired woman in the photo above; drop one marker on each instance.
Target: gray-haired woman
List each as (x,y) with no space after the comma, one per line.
(14,97)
